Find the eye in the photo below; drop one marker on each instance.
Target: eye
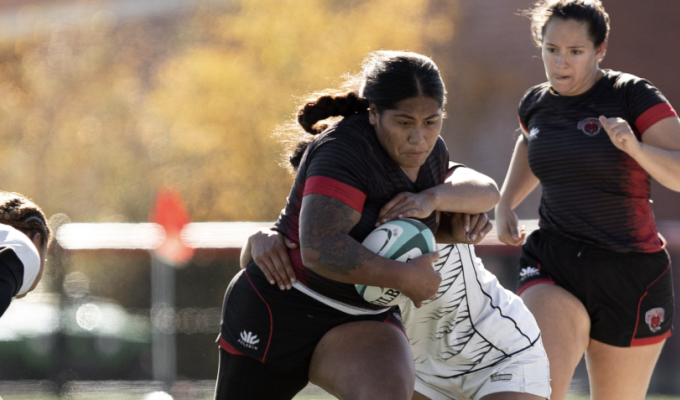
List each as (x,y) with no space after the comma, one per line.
(576,52)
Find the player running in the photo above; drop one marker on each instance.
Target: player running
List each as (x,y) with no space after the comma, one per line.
(354,173)
(596,274)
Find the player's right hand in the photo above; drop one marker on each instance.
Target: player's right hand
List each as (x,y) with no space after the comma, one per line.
(507,227)
(422,280)
(269,250)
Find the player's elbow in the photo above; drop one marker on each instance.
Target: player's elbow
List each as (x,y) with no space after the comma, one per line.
(488,195)
(310,257)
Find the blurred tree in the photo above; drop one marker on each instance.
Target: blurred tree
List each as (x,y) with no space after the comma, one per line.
(220,98)
(94,119)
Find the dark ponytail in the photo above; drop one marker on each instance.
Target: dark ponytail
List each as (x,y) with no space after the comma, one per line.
(327,106)
(388,77)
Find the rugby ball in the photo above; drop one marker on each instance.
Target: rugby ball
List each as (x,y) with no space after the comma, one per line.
(399,240)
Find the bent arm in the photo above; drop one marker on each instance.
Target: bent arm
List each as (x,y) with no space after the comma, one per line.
(327,249)
(659,152)
(519,181)
(465,191)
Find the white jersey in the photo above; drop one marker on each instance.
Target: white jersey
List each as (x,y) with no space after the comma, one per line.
(474,323)
(25,251)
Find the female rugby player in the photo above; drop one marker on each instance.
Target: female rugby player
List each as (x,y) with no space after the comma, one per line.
(386,143)
(475,340)
(595,275)
(24,237)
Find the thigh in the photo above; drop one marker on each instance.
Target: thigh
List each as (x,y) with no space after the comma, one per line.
(364,360)
(565,331)
(620,372)
(244,378)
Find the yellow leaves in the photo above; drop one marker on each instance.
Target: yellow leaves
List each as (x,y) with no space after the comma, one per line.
(99,117)
(222,100)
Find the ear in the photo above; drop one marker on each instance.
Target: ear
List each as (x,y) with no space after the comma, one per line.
(601,50)
(373,114)
(36,239)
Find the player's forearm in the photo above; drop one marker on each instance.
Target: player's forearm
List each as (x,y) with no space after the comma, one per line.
(519,181)
(662,165)
(327,249)
(343,259)
(466,191)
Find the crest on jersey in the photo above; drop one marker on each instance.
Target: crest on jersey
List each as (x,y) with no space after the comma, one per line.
(590,126)
(654,318)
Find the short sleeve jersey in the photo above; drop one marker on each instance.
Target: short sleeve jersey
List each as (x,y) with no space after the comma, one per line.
(348,163)
(19,265)
(592,191)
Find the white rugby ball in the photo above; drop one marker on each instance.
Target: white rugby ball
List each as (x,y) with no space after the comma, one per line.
(399,240)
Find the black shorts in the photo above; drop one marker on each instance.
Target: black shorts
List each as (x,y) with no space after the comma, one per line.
(280,328)
(628,296)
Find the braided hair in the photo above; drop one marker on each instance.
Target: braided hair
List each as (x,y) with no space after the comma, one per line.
(388,77)
(22,214)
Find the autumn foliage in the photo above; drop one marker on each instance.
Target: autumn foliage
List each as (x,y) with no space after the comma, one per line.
(95,118)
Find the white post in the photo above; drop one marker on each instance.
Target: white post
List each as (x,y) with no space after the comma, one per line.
(164,352)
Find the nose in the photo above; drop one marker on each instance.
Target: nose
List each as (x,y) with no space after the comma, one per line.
(561,61)
(417,135)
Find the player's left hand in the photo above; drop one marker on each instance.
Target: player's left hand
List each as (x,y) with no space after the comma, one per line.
(469,228)
(620,134)
(407,205)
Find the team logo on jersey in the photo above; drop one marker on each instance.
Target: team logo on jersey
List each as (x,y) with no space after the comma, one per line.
(533,133)
(528,272)
(590,126)
(654,318)
(248,340)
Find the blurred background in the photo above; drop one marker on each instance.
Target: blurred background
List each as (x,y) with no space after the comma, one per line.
(105,102)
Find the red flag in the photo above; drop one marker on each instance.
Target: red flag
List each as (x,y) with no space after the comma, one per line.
(171,214)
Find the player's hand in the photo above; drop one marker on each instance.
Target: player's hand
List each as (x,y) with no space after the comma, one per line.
(407,205)
(620,134)
(422,280)
(469,228)
(269,249)
(507,227)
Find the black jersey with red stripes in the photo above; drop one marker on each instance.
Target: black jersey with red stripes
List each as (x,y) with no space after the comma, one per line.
(592,191)
(348,163)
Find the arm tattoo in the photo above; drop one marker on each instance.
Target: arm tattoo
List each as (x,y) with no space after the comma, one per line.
(324,228)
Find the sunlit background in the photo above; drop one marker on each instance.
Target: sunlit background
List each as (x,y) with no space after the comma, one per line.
(105,102)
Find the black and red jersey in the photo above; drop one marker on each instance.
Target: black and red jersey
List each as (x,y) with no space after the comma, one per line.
(592,191)
(348,163)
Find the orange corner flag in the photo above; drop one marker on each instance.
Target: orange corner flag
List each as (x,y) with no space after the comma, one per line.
(170,213)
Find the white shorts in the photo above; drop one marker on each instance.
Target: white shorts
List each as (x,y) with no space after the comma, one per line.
(525,372)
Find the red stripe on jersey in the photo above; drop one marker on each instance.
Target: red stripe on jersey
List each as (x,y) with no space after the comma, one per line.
(522,125)
(653,115)
(349,195)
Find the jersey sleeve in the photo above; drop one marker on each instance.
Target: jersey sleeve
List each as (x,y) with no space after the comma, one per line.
(338,169)
(644,103)
(525,105)
(11,277)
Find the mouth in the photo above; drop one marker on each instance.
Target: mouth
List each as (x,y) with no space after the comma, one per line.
(561,77)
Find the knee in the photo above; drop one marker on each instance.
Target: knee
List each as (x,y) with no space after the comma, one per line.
(392,388)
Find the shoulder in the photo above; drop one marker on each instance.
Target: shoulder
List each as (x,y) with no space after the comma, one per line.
(621,81)
(532,96)
(16,245)
(534,93)
(352,132)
